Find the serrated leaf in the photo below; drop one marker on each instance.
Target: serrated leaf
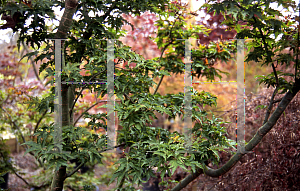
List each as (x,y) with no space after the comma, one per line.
(173,164)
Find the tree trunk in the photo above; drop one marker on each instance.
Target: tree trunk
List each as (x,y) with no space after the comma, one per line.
(60,175)
(58,179)
(63,29)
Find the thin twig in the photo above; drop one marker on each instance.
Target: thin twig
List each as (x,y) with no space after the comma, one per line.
(162,77)
(83,88)
(121,145)
(75,170)
(33,66)
(270,106)
(109,10)
(165,47)
(78,167)
(25,181)
(127,96)
(266,49)
(265,45)
(39,121)
(88,110)
(20,177)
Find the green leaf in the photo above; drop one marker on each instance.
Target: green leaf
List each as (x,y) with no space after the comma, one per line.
(173,165)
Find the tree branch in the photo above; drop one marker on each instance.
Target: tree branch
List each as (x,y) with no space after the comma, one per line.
(78,167)
(261,132)
(66,19)
(63,28)
(88,110)
(165,47)
(127,96)
(162,77)
(75,170)
(25,181)
(277,100)
(109,10)
(83,88)
(39,121)
(156,89)
(121,145)
(33,66)
(270,106)
(183,183)
(266,49)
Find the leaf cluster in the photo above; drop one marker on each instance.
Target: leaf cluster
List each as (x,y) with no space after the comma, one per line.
(74,143)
